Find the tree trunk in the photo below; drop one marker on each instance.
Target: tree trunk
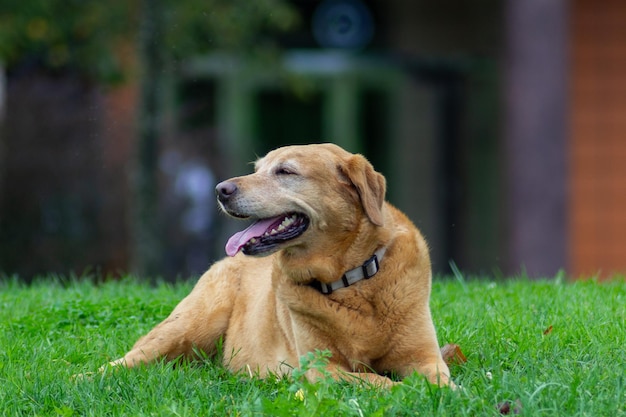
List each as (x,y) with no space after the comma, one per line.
(146,225)
(535,135)
(2,110)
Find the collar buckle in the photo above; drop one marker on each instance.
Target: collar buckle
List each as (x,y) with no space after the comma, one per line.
(367,270)
(370,267)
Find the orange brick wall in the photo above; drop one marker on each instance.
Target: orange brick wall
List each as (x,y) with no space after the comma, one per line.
(598,134)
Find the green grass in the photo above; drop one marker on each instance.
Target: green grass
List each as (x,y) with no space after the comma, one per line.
(50,331)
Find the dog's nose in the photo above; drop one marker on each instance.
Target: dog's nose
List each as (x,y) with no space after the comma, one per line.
(225,190)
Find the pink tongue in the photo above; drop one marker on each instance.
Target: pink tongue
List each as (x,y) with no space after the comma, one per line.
(239,239)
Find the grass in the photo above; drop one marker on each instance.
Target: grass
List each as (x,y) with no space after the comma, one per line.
(546,348)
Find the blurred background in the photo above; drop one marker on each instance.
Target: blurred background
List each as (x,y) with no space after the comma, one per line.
(498,124)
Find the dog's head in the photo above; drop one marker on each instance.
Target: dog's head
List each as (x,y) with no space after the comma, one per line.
(300,196)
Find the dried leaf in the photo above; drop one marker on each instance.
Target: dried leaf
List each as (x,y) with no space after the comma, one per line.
(452,354)
(506,407)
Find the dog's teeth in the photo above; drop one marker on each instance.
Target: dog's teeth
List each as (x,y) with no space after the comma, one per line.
(253,240)
(288,221)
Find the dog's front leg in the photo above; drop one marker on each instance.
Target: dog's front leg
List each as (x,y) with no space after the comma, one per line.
(197,322)
(340,374)
(167,340)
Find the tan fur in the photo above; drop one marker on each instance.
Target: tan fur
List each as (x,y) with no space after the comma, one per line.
(263,307)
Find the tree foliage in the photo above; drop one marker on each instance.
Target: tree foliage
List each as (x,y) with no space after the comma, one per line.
(59,34)
(95,37)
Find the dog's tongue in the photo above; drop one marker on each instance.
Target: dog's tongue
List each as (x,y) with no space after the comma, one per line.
(239,239)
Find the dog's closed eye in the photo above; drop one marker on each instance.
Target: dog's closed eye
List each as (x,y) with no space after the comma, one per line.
(285,170)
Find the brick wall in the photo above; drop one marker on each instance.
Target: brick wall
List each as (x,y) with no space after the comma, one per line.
(598,134)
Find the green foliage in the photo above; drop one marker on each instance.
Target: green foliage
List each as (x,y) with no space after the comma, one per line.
(199,26)
(96,37)
(308,398)
(56,34)
(549,348)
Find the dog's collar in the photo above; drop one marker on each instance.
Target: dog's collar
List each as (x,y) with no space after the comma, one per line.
(365,271)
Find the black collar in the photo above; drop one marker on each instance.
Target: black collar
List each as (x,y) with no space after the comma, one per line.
(365,271)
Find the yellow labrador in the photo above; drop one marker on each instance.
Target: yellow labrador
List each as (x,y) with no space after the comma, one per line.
(327,264)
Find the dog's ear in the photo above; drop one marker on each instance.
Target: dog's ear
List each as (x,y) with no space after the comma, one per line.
(370,186)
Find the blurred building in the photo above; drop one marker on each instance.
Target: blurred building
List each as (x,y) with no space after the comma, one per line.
(497,124)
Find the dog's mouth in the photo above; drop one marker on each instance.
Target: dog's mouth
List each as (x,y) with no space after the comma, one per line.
(266,235)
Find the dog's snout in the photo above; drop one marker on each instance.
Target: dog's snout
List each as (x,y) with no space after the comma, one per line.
(225,190)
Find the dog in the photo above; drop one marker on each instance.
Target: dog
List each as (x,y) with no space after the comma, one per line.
(327,264)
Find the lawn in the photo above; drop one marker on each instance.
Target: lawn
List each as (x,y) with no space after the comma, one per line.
(546,348)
